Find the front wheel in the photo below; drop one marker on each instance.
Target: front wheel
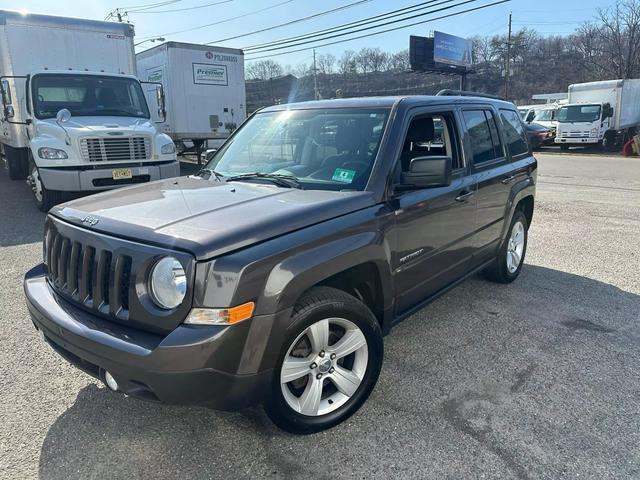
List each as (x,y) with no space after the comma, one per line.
(329,363)
(507,265)
(42,197)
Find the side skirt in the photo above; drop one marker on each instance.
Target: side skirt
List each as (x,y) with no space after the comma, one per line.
(439,293)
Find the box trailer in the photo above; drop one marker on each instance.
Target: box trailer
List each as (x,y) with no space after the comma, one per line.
(205,89)
(74,115)
(600,113)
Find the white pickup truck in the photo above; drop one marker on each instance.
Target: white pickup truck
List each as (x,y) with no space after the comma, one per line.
(599,113)
(74,115)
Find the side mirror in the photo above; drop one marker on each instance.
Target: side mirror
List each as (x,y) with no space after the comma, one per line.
(162,111)
(426,172)
(63,116)
(9,112)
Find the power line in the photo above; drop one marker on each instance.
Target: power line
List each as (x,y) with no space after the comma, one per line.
(184,9)
(385,31)
(364,21)
(306,41)
(150,5)
(223,20)
(297,20)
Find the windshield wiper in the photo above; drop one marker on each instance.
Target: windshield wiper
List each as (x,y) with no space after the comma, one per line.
(279,179)
(219,176)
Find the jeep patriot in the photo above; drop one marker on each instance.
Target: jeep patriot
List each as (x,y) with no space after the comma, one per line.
(273,275)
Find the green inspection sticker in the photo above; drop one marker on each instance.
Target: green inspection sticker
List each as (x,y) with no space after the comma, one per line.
(343,175)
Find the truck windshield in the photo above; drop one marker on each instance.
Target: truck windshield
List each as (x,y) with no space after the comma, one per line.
(87,95)
(545,115)
(332,149)
(579,113)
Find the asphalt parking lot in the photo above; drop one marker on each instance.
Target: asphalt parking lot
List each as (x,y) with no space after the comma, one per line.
(537,379)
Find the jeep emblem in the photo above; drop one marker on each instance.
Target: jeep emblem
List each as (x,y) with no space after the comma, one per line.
(90,220)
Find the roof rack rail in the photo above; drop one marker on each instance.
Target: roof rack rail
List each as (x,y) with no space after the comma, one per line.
(447,92)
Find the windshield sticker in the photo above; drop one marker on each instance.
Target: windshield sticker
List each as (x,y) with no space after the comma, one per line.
(343,175)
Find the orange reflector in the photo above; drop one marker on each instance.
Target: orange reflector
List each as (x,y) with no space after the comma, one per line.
(240,313)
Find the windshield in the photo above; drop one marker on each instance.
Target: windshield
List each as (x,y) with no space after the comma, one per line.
(87,95)
(545,115)
(579,113)
(332,149)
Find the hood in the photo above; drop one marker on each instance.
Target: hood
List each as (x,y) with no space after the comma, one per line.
(96,126)
(207,218)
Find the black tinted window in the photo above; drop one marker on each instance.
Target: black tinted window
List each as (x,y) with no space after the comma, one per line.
(514,133)
(481,136)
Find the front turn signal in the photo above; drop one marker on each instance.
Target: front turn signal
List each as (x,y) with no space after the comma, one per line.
(220,316)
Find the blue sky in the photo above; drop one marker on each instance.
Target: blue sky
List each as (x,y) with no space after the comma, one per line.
(546,16)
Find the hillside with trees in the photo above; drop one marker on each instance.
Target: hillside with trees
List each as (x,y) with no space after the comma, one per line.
(606,48)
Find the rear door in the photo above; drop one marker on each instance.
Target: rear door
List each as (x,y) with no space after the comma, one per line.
(493,174)
(434,226)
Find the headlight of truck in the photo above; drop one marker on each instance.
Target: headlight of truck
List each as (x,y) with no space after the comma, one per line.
(594,132)
(168,148)
(168,283)
(52,153)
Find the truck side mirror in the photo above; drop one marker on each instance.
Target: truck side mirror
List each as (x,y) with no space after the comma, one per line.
(426,172)
(63,115)
(162,112)
(9,112)
(530,117)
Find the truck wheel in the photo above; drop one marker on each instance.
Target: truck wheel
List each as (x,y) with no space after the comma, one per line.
(507,265)
(43,198)
(329,362)
(16,162)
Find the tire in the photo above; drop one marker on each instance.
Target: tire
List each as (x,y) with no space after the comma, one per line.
(325,316)
(17,162)
(508,264)
(42,197)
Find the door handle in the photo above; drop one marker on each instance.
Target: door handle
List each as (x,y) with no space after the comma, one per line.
(508,180)
(463,197)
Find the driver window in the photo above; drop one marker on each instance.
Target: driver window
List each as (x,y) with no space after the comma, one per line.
(431,135)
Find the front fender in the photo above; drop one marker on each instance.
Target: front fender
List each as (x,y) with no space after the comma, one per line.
(290,278)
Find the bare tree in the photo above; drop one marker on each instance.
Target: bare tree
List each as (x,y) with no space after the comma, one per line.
(263,70)
(620,33)
(347,63)
(326,63)
(399,61)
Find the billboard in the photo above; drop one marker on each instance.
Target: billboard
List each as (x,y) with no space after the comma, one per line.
(452,50)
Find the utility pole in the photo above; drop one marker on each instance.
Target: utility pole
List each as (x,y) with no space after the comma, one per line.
(507,67)
(315,77)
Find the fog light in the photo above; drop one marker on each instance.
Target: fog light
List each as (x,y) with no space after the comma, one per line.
(110,381)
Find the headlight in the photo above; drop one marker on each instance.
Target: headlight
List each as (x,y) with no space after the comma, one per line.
(168,283)
(168,148)
(594,132)
(52,153)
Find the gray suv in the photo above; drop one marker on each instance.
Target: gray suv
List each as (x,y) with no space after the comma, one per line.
(273,275)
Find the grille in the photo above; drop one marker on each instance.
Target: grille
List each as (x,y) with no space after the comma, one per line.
(98,279)
(115,149)
(584,134)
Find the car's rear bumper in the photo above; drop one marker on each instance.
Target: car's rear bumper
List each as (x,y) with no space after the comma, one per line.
(188,366)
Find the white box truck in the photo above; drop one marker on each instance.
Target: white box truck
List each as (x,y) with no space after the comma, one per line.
(205,90)
(599,113)
(74,116)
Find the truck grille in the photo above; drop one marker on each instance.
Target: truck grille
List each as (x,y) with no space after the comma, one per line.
(98,279)
(584,134)
(115,149)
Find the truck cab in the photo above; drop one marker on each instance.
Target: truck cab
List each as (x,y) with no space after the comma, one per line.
(74,116)
(583,123)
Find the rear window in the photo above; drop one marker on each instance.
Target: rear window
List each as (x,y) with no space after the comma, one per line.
(515,135)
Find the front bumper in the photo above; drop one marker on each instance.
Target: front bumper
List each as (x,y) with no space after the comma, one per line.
(188,366)
(576,140)
(96,179)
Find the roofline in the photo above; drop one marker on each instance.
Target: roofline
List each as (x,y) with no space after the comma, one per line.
(190,46)
(19,18)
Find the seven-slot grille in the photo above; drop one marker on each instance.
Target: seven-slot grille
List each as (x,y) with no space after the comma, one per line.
(96,278)
(115,149)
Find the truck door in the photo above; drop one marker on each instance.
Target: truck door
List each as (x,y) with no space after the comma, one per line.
(434,226)
(494,177)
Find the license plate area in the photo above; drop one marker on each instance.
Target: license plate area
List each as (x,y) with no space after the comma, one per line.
(121,174)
